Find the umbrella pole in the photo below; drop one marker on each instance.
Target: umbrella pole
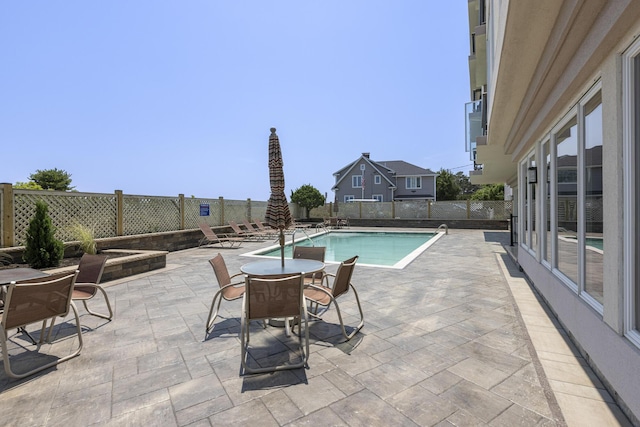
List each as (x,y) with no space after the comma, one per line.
(282,246)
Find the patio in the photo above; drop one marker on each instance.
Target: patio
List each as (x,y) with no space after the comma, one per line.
(456,338)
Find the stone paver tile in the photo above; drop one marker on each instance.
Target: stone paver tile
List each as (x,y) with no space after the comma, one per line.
(281,407)
(552,342)
(476,400)
(160,414)
(570,373)
(138,402)
(440,382)
(323,417)
(253,412)
(588,392)
(478,372)
(344,382)
(526,394)
(310,398)
(497,359)
(366,409)
(580,411)
(463,418)
(423,407)
(195,391)
(149,381)
(516,415)
(198,414)
(391,378)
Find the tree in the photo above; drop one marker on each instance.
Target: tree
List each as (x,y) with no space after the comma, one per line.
(466,187)
(489,192)
(29,185)
(52,179)
(447,187)
(307,197)
(42,249)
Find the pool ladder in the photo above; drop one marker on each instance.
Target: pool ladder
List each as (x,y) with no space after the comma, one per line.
(441,226)
(293,236)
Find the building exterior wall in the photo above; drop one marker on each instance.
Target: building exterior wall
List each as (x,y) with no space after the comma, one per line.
(545,66)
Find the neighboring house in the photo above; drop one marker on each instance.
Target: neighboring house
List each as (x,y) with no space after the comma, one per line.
(365,179)
(555,113)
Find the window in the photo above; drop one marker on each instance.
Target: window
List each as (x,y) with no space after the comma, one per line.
(377,179)
(377,197)
(414,182)
(631,184)
(348,198)
(566,161)
(356,181)
(547,181)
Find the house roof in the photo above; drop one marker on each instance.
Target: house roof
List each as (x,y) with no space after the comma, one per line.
(402,168)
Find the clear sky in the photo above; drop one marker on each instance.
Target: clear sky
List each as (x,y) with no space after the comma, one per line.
(162,97)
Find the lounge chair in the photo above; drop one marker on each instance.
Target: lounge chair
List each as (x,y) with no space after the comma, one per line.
(245,234)
(211,238)
(256,231)
(324,294)
(269,232)
(35,302)
(315,253)
(274,298)
(229,290)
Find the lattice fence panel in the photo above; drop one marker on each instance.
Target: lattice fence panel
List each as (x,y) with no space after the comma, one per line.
(235,210)
(66,209)
(143,214)
(490,209)
(412,209)
(449,210)
(348,210)
(376,210)
(259,210)
(192,215)
(594,209)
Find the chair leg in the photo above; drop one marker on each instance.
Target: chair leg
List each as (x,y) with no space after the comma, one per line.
(106,299)
(213,315)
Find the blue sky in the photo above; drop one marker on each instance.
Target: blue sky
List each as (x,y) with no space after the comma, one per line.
(166,97)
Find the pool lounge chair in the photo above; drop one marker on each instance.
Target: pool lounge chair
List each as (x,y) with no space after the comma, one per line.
(270,232)
(211,238)
(245,234)
(252,229)
(324,294)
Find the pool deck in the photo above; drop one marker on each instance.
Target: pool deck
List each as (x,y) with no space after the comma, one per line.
(458,337)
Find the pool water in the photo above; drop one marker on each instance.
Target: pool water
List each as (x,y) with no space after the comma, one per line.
(380,249)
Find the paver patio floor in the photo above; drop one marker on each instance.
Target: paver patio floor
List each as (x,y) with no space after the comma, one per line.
(445,343)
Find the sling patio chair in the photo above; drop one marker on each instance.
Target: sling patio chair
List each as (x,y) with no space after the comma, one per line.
(211,238)
(229,290)
(256,231)
(315,253)
(267,299)
(270,232)
(324,294)
(35,302)
(245,234)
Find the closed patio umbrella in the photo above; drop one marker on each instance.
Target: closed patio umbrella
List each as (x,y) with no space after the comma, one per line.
(278,215)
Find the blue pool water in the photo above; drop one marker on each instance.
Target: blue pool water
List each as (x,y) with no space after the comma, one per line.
(382,249)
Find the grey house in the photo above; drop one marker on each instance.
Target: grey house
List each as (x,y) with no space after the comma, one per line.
(365,179)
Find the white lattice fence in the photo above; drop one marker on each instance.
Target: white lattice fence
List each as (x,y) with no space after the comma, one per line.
(192,216)
(66,209)
(449,210)
(412,209)
(143,214)
(235,210)
(259,210)
(489,209)
(376,210)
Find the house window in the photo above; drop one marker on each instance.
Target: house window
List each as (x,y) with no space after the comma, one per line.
(546,181)
(349,198)
(356,181)
(631,185)
(377,179)
(377,197)
(414,182)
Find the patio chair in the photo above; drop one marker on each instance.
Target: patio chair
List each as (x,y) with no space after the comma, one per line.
(274,298)
(315,253)
(34,302)
(87,285)
(256,231)
(324,294)
(211,238)
(228,290)
(239,232)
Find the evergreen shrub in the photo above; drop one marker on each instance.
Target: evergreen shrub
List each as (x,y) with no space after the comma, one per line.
(42,249)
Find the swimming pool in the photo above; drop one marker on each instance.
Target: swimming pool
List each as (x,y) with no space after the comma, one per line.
(388,249)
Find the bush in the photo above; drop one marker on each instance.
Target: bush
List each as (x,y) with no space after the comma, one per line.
(42,249)
(84,235)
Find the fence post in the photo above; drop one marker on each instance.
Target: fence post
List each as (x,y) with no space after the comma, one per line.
(181,208)
(248,212)
(119,210)
(393,209)
(429,209)
(221,210)
(468,208)
(8,216)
